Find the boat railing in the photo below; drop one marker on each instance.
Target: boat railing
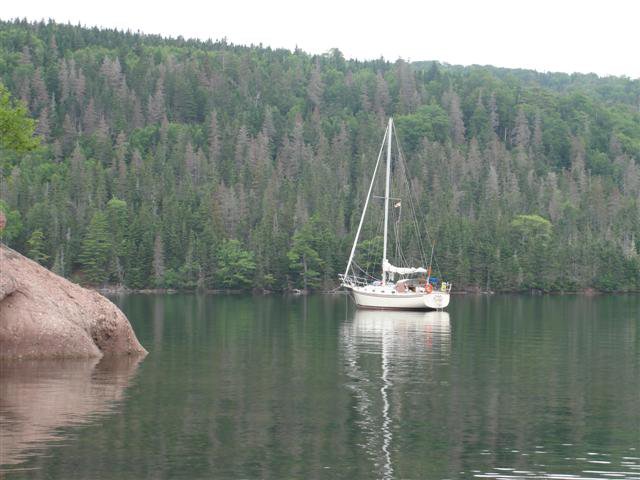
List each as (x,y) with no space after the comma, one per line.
(353,281)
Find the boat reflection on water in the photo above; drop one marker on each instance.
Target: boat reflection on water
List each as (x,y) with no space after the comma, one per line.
(408,344)
(425,333)
(39,397)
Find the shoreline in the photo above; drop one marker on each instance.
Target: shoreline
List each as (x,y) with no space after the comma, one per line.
(121,290)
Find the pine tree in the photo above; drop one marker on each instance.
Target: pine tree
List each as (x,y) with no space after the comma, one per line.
(158,259)
(456,120)
(36,247)
(96,249)
(316,87)
(118,215)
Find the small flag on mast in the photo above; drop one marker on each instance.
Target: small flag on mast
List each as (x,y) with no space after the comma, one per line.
(397,205)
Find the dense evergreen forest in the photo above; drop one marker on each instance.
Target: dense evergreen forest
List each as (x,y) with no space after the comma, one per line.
(188,164)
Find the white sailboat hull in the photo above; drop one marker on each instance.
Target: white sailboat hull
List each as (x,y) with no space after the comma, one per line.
(367,297)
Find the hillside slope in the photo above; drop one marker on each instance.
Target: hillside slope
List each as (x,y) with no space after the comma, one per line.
(178,163)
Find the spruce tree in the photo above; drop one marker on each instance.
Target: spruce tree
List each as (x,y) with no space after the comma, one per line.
(36,247)
(96,249)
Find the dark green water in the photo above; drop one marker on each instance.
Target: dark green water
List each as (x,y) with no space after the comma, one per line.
(274,387)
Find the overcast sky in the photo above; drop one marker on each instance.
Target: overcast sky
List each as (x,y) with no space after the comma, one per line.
(545,35)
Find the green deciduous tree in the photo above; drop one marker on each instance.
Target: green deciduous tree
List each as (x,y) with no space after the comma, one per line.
(235,265)
(304,260)
(13,223)
(16,128)
(312,256)
(369,254)
(531,229)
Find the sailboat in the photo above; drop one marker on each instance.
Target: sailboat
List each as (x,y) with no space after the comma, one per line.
(399,287)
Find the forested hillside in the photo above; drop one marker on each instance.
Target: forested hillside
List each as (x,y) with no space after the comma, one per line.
(175,163)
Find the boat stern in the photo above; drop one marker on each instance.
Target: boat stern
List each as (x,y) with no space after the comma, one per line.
(437,300)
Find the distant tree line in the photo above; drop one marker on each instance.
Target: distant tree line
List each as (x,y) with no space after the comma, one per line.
(187,164)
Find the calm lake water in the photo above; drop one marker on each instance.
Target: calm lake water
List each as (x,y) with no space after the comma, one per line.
(284,387)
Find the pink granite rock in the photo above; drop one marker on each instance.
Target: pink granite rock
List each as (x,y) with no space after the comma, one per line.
(43,315)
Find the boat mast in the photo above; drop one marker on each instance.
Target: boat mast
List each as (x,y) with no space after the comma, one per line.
(366,204)
(386,202)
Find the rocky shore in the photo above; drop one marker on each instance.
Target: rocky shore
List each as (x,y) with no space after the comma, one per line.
(43,315)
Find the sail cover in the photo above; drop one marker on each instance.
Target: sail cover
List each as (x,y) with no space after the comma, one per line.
(387,267)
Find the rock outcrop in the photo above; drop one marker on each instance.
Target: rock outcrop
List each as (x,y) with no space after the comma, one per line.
(43,315)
